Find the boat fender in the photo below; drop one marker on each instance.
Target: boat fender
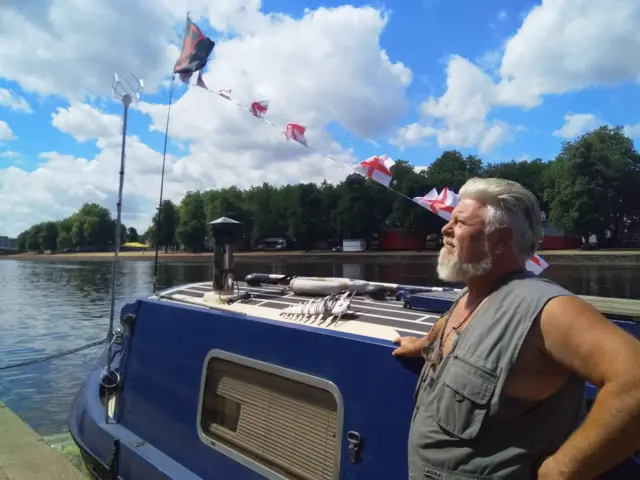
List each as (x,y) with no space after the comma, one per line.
(377,292)
(315,286)
(257,279)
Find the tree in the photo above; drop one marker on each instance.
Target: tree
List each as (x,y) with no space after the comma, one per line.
(33,238)
(529,174)
(132,235)
(361,210)
(167,226)
(591,186)
(48,236)
(452,170)
(22,241)
(65,239)
(192,227)
(261,201)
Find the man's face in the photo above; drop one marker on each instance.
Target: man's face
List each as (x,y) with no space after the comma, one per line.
(465,253)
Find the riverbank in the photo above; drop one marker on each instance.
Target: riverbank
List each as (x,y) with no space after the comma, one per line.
(560,257)
(25,455)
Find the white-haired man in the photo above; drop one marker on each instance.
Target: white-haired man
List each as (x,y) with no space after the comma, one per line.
(501,394)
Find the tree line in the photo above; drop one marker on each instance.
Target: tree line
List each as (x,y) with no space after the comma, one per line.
(592,187)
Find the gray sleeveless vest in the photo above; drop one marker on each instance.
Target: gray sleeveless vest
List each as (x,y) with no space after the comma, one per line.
(463,427)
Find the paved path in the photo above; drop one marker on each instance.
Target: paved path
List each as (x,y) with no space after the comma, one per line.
(25,456)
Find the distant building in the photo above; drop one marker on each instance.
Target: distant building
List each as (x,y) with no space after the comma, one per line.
(7,242)
(554,238)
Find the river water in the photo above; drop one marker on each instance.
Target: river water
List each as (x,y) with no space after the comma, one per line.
(48,307)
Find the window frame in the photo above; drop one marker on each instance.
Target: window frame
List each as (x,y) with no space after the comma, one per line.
(283,372)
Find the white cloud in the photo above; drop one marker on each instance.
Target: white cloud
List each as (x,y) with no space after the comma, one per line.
(73,48)
(412,135)
(9,154)
(6,134)
(13,101)
(562,46)
(576,124)
(502,15)
(309,70)
(568,45)
(459,117)
(632,130)
(85,122)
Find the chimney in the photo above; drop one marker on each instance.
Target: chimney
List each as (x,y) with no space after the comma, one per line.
(225,231)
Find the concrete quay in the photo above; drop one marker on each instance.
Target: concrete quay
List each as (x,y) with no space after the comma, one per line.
(24,455)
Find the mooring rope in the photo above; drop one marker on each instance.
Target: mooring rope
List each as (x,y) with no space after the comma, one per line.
(55,355)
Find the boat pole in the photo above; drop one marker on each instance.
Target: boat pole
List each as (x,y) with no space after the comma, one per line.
(157,228)
(127,90)
(126,101)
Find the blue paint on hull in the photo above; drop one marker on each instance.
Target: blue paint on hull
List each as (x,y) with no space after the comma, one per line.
(162,364)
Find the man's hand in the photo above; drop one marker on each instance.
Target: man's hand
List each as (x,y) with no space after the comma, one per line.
(409,346)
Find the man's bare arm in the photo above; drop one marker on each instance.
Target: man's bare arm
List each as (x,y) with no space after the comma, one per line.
(581,339)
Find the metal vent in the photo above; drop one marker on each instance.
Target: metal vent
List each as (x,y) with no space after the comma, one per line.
(285,425)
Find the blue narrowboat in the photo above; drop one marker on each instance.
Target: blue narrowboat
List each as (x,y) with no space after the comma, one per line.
(229,380)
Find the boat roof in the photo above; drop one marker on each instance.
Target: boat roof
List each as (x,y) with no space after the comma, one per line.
(385,319)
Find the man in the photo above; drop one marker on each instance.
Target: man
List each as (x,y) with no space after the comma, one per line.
(501,394)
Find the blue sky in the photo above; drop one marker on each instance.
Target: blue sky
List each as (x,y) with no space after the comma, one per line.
(422,35)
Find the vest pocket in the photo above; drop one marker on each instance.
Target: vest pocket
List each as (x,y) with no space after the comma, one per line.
(466,390)
(430,472)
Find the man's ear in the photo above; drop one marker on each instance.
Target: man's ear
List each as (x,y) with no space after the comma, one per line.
(501,239)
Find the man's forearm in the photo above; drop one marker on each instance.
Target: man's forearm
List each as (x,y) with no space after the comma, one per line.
(608,435)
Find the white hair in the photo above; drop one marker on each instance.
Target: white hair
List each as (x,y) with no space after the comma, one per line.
(508,204)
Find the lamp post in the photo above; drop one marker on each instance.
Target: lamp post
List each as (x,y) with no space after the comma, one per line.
(127,90)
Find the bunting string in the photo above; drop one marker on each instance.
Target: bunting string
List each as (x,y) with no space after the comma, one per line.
(194,56)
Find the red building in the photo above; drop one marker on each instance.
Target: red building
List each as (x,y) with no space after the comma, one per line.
(556,239)
(397,239)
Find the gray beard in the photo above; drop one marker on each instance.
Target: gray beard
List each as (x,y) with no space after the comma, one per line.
(451,269)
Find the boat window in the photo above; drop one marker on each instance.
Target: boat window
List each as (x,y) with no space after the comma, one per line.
(286,425)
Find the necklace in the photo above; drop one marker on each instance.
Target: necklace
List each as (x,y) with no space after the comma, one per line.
(439,356)
(443,338)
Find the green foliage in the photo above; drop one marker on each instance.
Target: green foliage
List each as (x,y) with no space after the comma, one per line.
(167,225)
(91,227)
(591,187)
(132,235)
(192,227)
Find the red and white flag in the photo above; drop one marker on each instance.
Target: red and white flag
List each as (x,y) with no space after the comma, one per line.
(259,108)
(295,132)
(442,204)
(376,168)
(536,264)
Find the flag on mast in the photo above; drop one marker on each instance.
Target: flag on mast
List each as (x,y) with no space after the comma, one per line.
(194,54)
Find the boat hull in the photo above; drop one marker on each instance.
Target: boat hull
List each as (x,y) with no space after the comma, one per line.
(156,431)
(156,421)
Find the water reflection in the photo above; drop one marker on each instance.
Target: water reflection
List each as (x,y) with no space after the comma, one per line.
(49,307)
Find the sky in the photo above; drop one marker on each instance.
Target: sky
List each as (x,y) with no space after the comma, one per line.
(503,79)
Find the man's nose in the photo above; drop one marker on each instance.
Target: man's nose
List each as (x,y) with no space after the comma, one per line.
(447,228)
